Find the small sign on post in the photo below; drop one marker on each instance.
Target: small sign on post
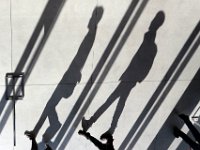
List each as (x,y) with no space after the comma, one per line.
(14,86)
(14,91)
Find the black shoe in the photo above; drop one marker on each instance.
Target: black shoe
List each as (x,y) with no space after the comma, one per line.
(30,134)
(176,132)
(184,117)
(107,135)
(84,133)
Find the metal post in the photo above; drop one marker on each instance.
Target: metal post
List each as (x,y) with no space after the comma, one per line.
(14,112)
(14,93)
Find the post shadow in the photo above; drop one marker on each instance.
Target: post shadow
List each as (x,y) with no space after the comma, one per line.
(102,146)
(46,21)
(186,105)
(136,72)
(163,88)
(98,68)
(72,76)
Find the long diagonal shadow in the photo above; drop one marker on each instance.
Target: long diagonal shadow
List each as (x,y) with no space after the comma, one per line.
(186,105)
(73,76)
(46,21)
(98,69)
(163,89)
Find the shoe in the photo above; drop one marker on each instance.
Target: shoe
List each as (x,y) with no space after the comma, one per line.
(84,133)
(30,134)
(184,117)
(107,135)
(85,124)
(176,132)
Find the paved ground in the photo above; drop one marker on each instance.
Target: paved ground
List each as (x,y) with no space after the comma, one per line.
(73,58)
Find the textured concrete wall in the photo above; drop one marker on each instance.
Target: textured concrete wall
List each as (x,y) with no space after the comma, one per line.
(73,69)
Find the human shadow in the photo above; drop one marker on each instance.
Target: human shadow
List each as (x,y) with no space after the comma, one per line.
(102,146)
(46,22)
(113,46)
(163,89)
(135,8)
(72,76)
(136,72)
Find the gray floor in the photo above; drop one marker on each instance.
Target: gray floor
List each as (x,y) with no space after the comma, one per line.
(43,38)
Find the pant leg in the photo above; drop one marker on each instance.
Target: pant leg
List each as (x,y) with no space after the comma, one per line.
(96,142)
(193,129)
(48,110)
(118,112)
(104,106)
(124,89)
(188,140)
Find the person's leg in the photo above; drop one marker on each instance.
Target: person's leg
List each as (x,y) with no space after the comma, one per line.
(194,131)
(54,126)
(118,112)
(34,143)
(47,110)
(39,124)
(96,142)
(179,133)
(124,90)
(91,138)
(86,124)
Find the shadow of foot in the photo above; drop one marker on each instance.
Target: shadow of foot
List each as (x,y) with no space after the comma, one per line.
(50,132)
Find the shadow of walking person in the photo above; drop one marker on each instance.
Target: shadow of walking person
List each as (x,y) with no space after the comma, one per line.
(102,146)
(72,76)
(136,72)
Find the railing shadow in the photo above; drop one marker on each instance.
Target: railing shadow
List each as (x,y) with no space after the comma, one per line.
(162,91)
(96,72)
(186,105)
(46,22)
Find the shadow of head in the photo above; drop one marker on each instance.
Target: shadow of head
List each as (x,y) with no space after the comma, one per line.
(96,17)
(157,21)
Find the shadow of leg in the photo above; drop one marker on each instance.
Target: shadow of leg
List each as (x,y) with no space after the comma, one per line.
(86,124)
(118,112)
(179,133)
(54,126)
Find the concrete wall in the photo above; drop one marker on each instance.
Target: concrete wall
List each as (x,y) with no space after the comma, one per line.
(48,40)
